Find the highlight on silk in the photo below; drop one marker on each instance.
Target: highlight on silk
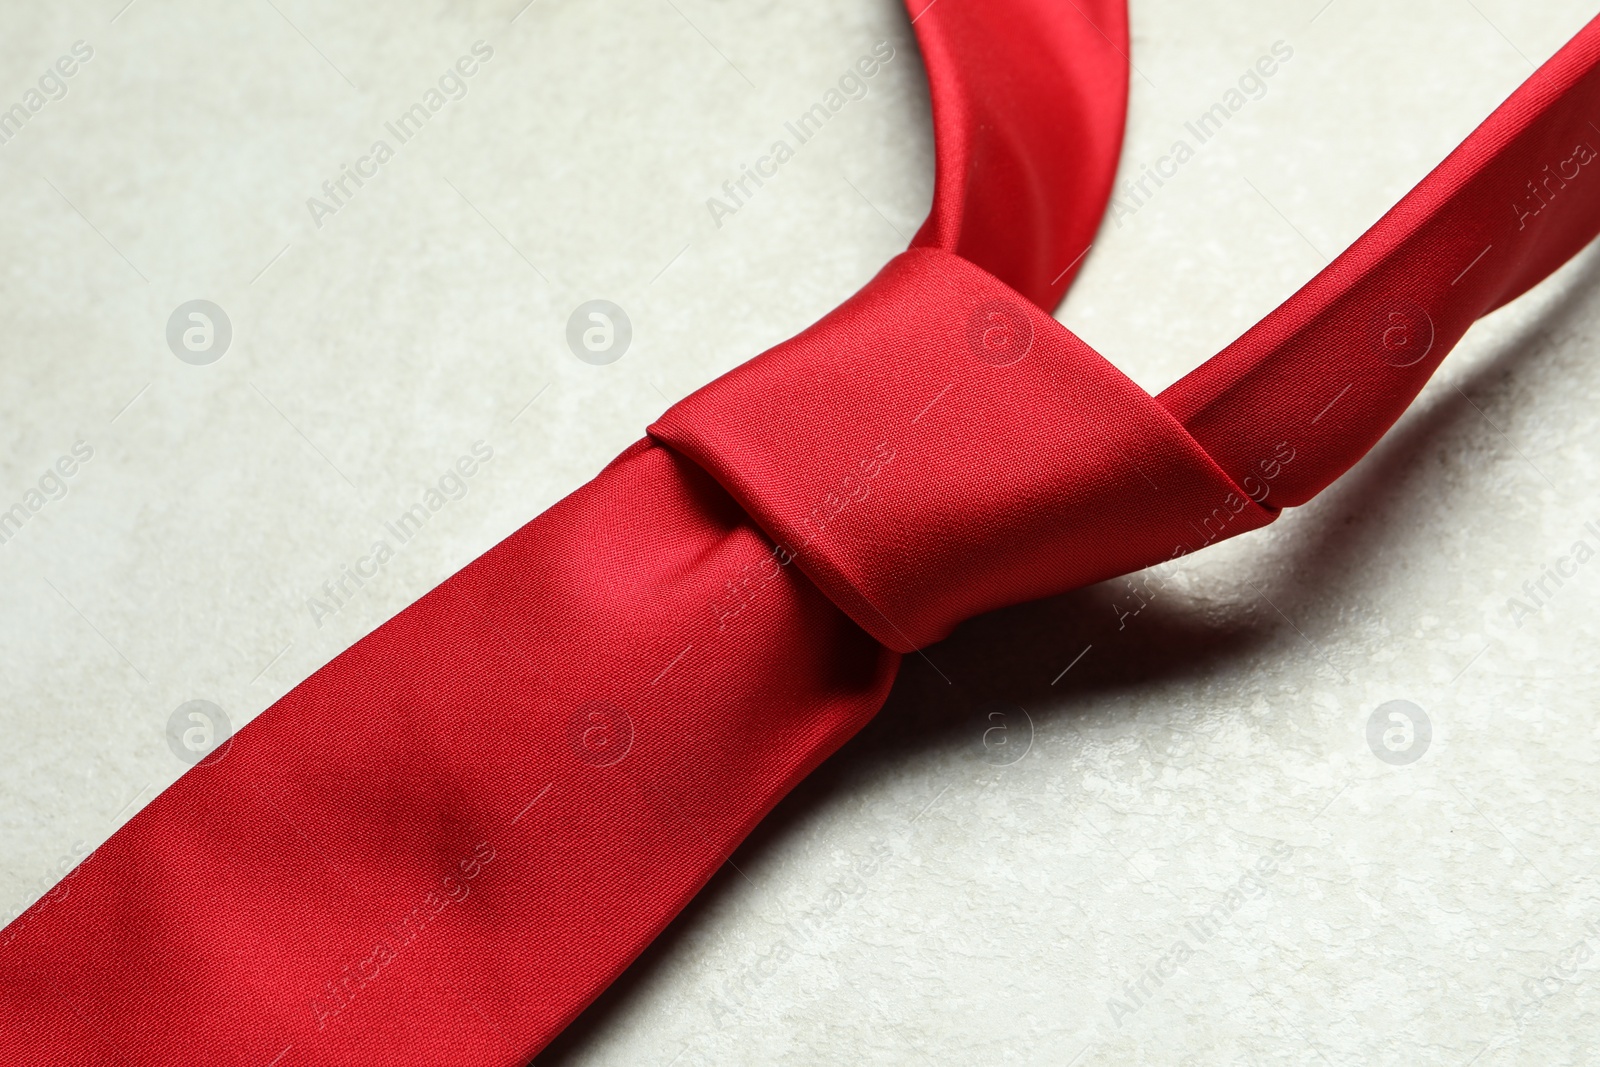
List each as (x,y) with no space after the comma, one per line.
(889,532)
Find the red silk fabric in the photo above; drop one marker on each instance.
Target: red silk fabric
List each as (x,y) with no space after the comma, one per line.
(978,441)
(443,845)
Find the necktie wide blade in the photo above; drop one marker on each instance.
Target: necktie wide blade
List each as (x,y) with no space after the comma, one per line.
(568,744)
(445,843)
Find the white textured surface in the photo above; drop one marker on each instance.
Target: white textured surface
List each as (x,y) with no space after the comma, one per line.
(912,903)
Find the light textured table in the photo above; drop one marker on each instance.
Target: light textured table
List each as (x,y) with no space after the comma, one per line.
(1201,775)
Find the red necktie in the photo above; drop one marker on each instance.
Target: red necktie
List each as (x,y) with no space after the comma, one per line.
(445,843)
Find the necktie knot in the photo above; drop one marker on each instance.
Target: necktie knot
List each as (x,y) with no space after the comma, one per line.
(939,447)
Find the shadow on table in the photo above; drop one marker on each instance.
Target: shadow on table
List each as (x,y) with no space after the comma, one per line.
(1013,654)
